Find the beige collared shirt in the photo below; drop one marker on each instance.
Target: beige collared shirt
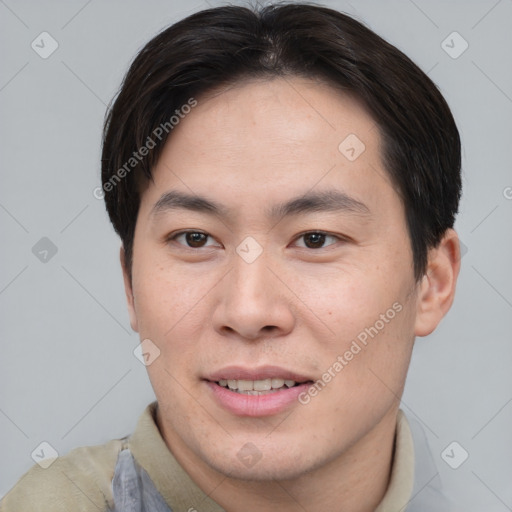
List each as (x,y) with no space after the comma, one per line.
(82,479)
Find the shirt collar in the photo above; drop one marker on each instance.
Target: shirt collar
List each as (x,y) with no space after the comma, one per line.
(402,471)
(181,493)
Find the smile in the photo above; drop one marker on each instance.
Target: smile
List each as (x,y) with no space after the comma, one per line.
(257,387)
(262,391)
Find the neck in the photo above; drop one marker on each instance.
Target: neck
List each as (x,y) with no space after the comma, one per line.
(356,481)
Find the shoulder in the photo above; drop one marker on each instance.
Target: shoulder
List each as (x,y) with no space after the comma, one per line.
(80,480)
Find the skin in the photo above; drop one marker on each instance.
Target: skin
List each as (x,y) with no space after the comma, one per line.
(297,305)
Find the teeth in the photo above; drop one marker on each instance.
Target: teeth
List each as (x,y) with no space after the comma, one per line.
(263,385)
(277,383)
(245,385)
(253,387)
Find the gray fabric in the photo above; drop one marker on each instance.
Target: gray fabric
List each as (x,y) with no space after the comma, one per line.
(428,493)
(132,489)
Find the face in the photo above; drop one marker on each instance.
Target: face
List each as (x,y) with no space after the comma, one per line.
(294,272)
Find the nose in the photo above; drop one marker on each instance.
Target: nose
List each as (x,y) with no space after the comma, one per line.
(253,301)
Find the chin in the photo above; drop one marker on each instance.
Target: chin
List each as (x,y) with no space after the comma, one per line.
(271,471)
(269,465)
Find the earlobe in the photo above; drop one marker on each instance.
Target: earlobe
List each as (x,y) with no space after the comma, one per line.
(437,288)
(128,291)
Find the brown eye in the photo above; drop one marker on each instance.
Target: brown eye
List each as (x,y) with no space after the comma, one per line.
(191,239)
(316,239)
(195,239)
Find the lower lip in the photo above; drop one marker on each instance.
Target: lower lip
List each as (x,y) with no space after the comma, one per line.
(256,405)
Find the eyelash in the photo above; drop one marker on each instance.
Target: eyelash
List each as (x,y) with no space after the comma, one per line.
(173,237)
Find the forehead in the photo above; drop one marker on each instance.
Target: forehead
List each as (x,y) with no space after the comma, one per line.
(295,110)
(267,140)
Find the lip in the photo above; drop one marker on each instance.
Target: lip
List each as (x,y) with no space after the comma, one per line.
(260,373)
(256,405)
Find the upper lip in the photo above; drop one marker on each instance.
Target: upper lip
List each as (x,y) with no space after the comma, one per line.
(258,373)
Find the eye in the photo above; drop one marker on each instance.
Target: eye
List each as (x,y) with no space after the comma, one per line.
(198,239)
(192,239)
(316,239)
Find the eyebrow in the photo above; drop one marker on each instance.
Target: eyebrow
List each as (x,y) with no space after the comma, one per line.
(311,202)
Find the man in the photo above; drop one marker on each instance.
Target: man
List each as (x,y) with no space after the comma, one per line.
(284,183)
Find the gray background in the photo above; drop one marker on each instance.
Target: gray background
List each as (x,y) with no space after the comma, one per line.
(68,375)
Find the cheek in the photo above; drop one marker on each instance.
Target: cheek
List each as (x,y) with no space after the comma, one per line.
(363,372)
(168,309)
(351,302)
(371,331)
(168,305)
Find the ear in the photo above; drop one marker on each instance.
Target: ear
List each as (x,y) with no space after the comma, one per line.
(437,288)
(128,291)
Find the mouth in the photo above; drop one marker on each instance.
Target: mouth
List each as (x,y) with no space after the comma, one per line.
(256,392)
(258,387)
